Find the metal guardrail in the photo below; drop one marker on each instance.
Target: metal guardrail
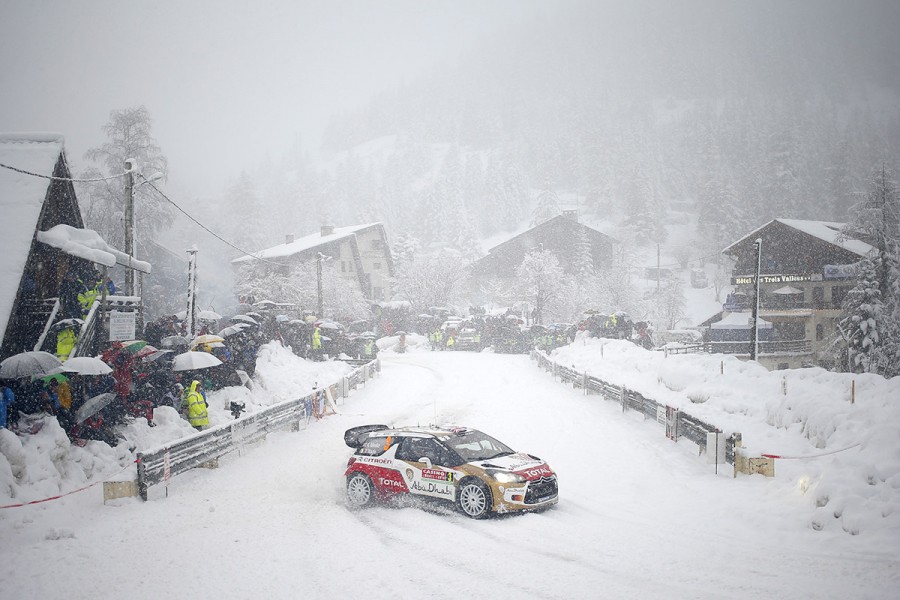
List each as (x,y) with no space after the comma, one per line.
(158,465)
(677,423)
(741,347)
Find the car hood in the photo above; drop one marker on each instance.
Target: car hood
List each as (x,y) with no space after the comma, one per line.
(523,464)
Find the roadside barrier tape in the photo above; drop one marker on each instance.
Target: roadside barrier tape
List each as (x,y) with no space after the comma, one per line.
(72,492)
(809,455)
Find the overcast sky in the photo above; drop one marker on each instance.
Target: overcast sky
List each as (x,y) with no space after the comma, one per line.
(227,82)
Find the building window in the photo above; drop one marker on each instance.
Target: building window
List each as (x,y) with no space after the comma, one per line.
(350,265)
(376,266)
(378,293)
(343,267)
(376,245)
(818,297)
(820,332)
(783,366)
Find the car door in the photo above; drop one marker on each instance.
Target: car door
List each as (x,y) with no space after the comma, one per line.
(425,471)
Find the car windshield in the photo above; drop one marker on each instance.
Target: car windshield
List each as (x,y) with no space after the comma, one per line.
(474,445)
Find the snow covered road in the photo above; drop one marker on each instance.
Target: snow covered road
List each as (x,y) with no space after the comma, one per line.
(639,516)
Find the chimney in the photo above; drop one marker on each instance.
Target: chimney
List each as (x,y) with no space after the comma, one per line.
(289,238)
(571,214)
(327,230)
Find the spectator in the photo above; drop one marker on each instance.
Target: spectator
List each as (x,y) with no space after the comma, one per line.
(194,406)
(69,290)
(7,399)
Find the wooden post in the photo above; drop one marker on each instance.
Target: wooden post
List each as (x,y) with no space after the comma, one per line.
(852,391)
(722,367)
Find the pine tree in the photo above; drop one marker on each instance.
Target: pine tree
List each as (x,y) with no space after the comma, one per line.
(870,318)
(860,325)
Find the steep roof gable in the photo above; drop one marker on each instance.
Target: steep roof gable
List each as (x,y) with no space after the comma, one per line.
(823,230)
(22,198)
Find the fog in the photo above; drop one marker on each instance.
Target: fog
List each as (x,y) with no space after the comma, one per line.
(228,82)
(685,123)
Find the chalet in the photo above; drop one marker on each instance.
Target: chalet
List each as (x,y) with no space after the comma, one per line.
(563,235)
(43,238)
(806,270)
(360,253)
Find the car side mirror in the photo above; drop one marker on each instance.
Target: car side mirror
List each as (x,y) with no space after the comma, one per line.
(427,462)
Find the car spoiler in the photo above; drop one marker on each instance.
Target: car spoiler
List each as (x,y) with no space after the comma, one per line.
(357,435)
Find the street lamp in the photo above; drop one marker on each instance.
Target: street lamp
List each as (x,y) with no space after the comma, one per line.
(754,317)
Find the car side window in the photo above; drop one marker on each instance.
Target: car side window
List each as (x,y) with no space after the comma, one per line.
(374,446)
(413,449)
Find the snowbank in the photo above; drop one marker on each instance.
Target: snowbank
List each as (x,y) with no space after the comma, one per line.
(46,464)
(848,464)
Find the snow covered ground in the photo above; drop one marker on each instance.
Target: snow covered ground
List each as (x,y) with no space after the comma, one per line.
(639,516)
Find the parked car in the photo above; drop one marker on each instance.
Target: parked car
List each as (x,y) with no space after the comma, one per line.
(470,469)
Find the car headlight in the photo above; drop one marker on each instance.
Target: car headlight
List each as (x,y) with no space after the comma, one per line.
(506,476)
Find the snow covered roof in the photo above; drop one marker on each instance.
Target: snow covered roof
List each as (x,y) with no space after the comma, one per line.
(21,200)
(87,244)
(305,243)
(739,320)
(823,230)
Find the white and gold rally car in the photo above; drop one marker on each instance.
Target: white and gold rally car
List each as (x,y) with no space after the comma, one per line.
(460,465)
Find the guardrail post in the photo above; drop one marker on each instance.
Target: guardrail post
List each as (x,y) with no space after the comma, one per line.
(622,397)
(141,477)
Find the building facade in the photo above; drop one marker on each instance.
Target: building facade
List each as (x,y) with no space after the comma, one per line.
(807,268)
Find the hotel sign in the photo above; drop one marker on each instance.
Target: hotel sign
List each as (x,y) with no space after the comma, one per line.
(748,279)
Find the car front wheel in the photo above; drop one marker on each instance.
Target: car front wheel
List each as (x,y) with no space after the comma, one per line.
(360,491)
(474,499)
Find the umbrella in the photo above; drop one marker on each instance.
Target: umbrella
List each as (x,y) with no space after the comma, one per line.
(399,333)
(181,316)
(133,345)
(208,315)
(57,376)
(145,351)
(28,364)
(94,405)
(265,304)
(206,339)
(189,361)
(174,340)
(367,334)
(87,365)
(254,315)
(233,329)
(282,318)
(245,319)
(329,325)
(155,356)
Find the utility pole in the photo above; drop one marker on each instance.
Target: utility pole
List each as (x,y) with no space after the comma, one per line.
(319,257)
(129,223)
(657,269)
(191,295)
(754,317)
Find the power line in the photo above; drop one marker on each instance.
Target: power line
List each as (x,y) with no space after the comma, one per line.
(207,229)
(55,178)
(158,191)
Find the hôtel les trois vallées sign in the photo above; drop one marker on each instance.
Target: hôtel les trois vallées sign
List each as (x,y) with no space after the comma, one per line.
(748,279)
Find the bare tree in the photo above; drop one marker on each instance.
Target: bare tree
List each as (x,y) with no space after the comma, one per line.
(129,137)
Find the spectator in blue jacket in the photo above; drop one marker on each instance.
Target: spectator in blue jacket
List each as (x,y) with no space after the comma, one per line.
(6,401)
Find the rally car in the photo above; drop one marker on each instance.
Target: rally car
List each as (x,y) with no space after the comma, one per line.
(477,473)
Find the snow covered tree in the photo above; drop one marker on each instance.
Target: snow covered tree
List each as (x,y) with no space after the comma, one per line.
(547,206)
(862,316)
(129,133)
(870,319)
(429,281)
(540,279)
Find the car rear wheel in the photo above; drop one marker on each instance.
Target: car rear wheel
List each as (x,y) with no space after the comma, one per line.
(360,491)
(474,499)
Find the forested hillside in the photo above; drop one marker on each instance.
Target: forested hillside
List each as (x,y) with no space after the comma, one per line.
(734,113)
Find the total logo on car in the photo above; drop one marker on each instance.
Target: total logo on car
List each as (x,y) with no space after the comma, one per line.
(466,467)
